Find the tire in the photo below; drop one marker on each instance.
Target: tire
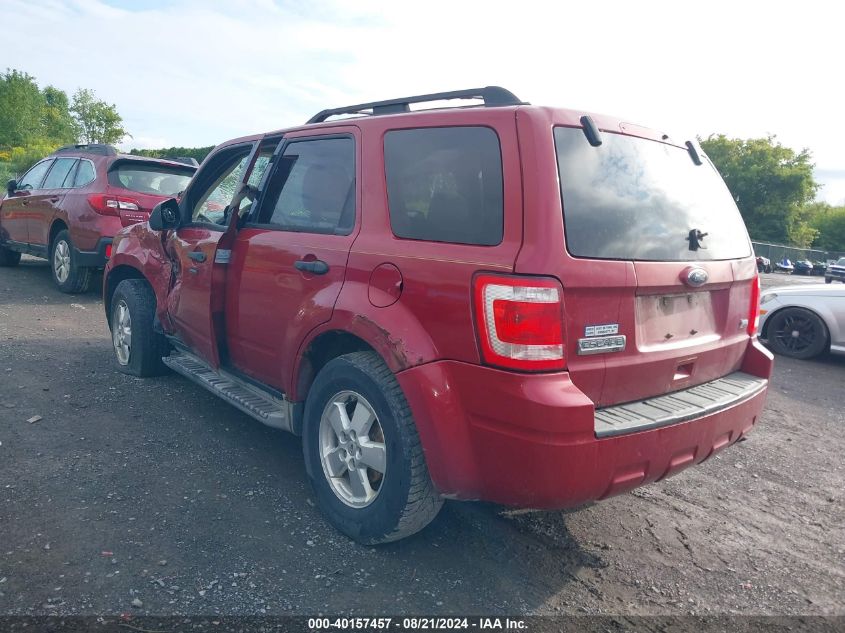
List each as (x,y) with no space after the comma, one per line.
(385,505)
(69,277)
(828,280)
(768,269)
(9,258)
(141,354)
(797,333)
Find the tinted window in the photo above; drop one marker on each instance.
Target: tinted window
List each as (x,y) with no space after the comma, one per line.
(313,188)
(445,184)
(631,198)
(32,179)
(155,179)
(61,168)
(84,174)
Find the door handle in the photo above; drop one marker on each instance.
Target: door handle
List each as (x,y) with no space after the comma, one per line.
(317,266)
(197,256)
(25,202)
(55,199)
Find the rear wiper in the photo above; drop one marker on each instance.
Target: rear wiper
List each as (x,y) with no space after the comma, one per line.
(693,152)
(695,238)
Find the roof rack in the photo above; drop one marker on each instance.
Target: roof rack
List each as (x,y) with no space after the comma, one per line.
(493,96)
(91,148)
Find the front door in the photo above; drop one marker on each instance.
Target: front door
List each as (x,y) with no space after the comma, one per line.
(289,260)
(14,213)
(193,247)
(44,204)
(196,299)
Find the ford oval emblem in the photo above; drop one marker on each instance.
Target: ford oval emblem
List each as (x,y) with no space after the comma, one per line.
(696,277)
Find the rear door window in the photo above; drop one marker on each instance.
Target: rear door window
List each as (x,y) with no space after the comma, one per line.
(313,188)
(59,172)
(85,174)
(445,184)
(636,199)
(32,179)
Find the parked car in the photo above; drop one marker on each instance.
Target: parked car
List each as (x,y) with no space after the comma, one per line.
(803,267)
(819,267)
(835,271)
(68,207)
(803,321)
(467,303)
(764,265)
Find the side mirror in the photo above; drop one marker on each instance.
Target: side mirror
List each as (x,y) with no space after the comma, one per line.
(12,186)
(165,216)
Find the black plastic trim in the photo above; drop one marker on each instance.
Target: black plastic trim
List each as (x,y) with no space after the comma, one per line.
(493,96)
(93,259)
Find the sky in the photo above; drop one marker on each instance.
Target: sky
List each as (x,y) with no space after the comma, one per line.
(194,73)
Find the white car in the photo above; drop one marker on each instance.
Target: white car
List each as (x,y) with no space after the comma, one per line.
(803,321)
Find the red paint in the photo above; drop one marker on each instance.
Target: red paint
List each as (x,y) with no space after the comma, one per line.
(506,435)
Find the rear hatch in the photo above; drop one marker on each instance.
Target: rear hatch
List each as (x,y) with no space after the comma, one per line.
(622,251)
(139,185)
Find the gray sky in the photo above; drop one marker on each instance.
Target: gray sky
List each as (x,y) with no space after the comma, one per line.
(192,72)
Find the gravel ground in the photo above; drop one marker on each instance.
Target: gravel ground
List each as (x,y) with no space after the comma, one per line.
(153,497)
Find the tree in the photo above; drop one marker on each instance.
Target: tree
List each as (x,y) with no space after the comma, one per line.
(830,223)
(772,186)
(21,104)
(199,153)
(57,123)
(98,121)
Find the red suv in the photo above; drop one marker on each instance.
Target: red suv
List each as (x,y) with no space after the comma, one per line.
(511,303)
(68,207)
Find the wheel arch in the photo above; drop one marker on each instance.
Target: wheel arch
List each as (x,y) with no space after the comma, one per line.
(113,278)
(56,227)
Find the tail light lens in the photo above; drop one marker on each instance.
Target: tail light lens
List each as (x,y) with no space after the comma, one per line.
(754,310)
(105,204)
(520,322)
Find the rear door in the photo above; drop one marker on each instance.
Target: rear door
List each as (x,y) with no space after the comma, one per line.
(289,260)
(14,213)
(648,310)
(44,205)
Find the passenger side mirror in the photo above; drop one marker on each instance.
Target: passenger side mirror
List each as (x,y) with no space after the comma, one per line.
(165,215)
(12,186)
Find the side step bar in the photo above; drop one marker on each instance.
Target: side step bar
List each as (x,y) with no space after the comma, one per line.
(252,400)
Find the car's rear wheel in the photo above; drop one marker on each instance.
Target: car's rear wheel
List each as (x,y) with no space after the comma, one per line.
(8,257)
(828,280)
(798,333)
(138,348)
(68,275)
(362,452)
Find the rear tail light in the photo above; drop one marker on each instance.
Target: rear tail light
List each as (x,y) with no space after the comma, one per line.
(520,322)
(108,251)
(105,204)
(754,309)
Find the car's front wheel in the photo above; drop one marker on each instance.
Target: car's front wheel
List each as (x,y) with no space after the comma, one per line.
(362,452)
(68,275)
(798,333)
(138,348)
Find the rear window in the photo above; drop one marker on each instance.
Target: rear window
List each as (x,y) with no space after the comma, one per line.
(151,178)
(636,199)
(445,184)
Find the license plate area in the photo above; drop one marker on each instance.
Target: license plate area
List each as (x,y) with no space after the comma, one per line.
(676,320)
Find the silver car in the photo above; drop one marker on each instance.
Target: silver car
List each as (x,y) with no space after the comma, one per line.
(803,321)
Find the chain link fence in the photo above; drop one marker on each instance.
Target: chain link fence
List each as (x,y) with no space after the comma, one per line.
(776,252)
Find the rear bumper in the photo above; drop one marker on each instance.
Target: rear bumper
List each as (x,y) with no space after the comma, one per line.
(530,440)
(96,258)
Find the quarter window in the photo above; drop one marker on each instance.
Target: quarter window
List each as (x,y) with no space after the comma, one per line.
(32,179)
(313,187)
(58,174)
(445,184)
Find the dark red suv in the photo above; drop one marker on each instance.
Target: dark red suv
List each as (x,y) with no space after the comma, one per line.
(526,305)
(68,207)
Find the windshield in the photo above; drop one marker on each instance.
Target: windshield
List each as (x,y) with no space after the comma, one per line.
(841,262)
(636,199)
(151,178)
